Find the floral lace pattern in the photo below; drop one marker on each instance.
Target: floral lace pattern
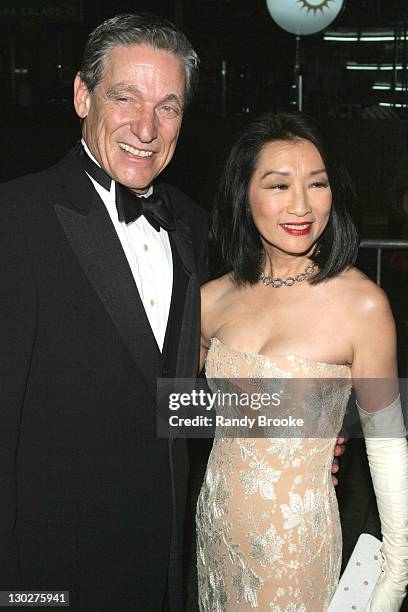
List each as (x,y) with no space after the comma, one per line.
(268,528)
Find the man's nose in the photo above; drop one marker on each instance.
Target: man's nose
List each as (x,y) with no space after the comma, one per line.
(144,126)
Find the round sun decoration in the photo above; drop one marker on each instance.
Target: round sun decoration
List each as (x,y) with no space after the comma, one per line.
(314,6)
(303,17)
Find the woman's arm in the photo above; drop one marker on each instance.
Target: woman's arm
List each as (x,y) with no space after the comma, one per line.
(373,335)
(374,373)
(212,312)
(203,352)
(207,309)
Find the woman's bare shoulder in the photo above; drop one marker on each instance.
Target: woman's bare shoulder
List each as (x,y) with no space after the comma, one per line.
(359,293)
(216,289)
(214,305)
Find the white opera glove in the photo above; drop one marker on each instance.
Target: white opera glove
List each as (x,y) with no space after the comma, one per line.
(388,461)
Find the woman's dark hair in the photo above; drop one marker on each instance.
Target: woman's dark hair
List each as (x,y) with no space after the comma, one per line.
(233,227)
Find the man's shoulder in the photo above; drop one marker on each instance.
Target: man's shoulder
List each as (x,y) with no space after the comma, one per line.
(183,203)
(193,222)
(31,185)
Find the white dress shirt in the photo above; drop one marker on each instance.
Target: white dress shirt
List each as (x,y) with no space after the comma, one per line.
(149,256)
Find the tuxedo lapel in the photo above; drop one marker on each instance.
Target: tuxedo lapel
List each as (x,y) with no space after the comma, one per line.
(92,236)
(171,341)
(185,308)
(90,232)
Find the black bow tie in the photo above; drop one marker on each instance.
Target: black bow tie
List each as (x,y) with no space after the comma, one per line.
(155,208)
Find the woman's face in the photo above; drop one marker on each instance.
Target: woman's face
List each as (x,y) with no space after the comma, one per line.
(290,196)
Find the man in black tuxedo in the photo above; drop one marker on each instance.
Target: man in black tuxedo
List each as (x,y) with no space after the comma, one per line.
(99,298)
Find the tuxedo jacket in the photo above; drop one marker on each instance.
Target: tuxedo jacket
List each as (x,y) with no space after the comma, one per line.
(91,501)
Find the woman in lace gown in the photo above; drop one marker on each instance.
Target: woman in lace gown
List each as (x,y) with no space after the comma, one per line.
(293,307)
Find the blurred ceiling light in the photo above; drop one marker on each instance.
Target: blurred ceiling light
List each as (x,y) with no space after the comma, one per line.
(355,66)
(392,105)
(344,38)
(378,35)
(388,87)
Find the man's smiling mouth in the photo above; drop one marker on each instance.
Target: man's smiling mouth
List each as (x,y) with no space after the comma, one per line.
(134,151)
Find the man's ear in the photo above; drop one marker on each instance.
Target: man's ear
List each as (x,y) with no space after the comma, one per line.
(81,97)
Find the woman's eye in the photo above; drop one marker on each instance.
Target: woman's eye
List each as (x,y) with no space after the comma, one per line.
(320,184)
(279,186)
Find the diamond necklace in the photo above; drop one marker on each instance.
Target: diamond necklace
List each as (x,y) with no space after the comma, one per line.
(289,280)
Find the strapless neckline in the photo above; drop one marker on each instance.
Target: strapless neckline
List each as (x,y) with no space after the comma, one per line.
(271,358)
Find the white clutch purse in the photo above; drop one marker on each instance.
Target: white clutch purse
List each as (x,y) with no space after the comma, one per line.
(359,578)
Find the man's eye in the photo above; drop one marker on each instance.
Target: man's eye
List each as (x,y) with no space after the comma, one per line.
(170,110)
(123,99)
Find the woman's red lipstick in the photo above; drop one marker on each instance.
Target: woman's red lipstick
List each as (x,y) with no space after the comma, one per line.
(297,229)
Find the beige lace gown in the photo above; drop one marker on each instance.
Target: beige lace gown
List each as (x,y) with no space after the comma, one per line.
(268,528)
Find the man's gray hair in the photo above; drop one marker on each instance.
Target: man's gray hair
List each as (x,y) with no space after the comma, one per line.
(137,29)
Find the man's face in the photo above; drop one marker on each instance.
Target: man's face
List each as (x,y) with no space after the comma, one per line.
(133,118)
